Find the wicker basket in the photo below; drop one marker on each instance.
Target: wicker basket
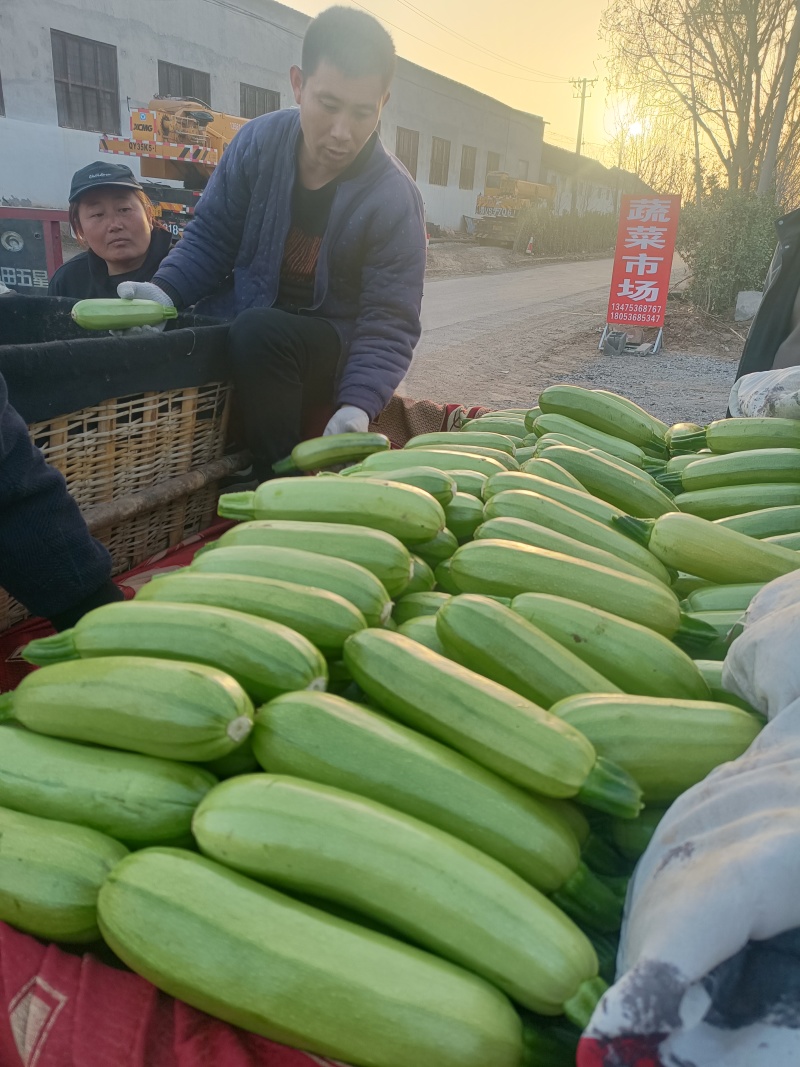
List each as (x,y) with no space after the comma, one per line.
(129,444)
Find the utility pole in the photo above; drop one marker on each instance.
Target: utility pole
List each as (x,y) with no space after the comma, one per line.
(766,178)
(581,85)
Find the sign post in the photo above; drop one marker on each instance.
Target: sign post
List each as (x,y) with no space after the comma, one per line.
(643,263)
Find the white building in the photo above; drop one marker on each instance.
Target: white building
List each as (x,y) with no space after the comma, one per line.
(70,69)
(593,187)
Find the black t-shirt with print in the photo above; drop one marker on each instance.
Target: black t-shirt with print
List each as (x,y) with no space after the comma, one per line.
(311,210)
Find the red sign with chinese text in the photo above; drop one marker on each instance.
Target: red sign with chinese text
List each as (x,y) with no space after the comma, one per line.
(643,260)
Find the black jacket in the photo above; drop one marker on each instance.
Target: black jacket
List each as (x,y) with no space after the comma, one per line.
(48,559)
(773,320)
(85,276)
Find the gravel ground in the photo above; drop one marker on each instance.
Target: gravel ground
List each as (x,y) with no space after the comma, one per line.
(509,361)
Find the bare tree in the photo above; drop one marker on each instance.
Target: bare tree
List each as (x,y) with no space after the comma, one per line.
(716,62)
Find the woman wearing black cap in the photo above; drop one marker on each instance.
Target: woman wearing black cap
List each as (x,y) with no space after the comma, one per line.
(113,219)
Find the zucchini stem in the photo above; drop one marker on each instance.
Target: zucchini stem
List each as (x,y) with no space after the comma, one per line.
(638,530)
(609,788)
(239,506)
(580,1006)
(589,901)
(54,649)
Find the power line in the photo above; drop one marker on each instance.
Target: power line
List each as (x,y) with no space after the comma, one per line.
(480,47)
(428,44)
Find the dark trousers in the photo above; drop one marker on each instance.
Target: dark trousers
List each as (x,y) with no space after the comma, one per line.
(283,366)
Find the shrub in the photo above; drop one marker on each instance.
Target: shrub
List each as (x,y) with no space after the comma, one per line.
(562,235)
(727,244)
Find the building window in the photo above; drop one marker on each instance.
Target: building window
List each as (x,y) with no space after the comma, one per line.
(522,170)
(183,82)
(407,149)
(87,86)
(492,162)
(440,161)
(467,178)
(255,101)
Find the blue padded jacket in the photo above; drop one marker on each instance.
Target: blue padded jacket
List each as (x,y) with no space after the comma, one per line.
(371,265)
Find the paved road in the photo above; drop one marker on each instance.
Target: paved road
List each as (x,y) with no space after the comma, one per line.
(484,327)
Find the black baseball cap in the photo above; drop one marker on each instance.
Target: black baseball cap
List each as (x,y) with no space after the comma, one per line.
(97,174)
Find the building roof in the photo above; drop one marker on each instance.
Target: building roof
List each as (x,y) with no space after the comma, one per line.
(569,163)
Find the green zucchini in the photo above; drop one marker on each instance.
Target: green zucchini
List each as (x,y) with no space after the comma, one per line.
(632,836)
(484,721)
(471,482)
(695,545)
(440,484)
(158,707)
(604,411)
(610,443)
(236,950)
(507,425)
(464,515)
(722,597)
(736,468)
(324,618)
(408,513)
(737,499)
(265,657)
(765,522)
(444,579)
(737,435)
(110,313)
(50,876)
(790,540)
(497,454)
(422,578)
(439,548)
(524,454)
(317,453)
(508,569)
(521,480)
(566,521)
(409,607)
(657,425)
(464,437)
(349,580)
(632,656)
(499,644)
(304,837)
(379,552)
(682,435)
(449,460)
(668,745)
(422,629)
(137,799)
(539,535)
(637,494)
(325,739)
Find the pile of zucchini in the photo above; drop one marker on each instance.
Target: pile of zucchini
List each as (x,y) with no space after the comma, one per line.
(370,775)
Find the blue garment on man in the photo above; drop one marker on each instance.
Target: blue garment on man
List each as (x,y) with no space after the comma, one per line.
(369,276)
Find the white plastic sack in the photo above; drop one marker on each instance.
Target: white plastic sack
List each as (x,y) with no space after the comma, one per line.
(770,393)
(720,874)
(763,663)
(776,595)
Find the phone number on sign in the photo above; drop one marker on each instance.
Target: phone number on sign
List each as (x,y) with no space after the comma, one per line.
(633,313)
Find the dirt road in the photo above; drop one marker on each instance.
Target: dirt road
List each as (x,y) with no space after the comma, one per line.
(500,338)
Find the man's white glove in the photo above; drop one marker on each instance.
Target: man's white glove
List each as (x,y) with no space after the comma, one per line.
(348,419)
(142,291)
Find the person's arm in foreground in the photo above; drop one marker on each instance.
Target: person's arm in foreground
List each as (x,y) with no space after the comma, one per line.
(48,559)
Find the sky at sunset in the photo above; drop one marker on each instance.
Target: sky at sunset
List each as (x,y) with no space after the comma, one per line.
(521,53)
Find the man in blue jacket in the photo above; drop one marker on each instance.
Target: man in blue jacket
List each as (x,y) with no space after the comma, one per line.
(48,559)
(313,237)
